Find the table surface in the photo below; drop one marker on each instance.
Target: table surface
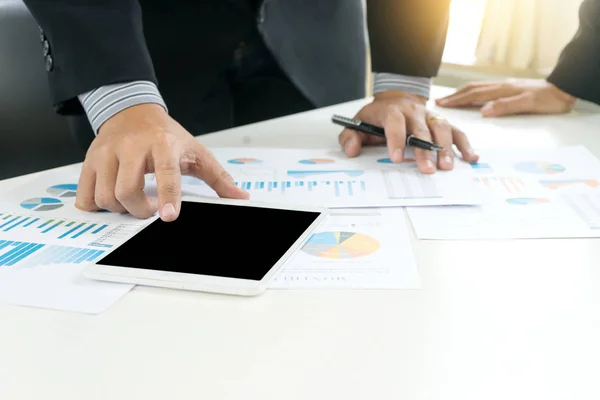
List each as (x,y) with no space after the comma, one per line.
(504,319)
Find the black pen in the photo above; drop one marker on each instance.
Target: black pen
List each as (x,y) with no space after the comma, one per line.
(361,126)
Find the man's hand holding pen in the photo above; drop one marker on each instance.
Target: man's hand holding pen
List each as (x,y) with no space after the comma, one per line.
(401,114)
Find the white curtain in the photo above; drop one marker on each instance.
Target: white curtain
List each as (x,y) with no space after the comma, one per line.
(526,34)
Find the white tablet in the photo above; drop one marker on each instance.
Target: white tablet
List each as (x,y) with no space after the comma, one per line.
(216,245)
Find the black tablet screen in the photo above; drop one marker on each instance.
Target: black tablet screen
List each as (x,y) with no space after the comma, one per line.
(231,241)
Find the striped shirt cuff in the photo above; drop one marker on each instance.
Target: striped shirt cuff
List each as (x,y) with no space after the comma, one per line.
(102,103)
(383,81)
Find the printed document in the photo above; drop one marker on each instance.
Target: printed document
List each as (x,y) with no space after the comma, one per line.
(366,248)
(528,193)
(329,178)
(45,242)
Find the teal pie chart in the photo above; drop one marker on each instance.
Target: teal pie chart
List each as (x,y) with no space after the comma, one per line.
(42,204)
(63,190)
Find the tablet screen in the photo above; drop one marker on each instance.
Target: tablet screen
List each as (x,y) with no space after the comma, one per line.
(242,242)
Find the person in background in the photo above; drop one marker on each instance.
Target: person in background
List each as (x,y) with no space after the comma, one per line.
(225,63)
(576,76)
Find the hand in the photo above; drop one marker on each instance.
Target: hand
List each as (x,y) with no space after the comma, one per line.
(398,113)
(516,96)
(144,139)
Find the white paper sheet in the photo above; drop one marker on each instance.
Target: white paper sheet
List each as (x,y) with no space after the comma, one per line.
(549,193)
(58,287)
(354,249)
(45,242)
(328,178)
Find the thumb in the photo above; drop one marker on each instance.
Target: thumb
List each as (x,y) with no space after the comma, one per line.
(214,175)
(351,142)
(518,104)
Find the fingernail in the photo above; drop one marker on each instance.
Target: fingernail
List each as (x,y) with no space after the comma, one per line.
(398,155)
(168,212)
(346,145)
(429,164)
(442,101)
(447,160)
(487,110)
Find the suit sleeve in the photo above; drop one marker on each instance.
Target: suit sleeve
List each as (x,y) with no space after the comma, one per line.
(91,43)
(578,68)
(407,37)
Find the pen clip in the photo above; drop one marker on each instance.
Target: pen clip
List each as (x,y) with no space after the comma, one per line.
(346,120)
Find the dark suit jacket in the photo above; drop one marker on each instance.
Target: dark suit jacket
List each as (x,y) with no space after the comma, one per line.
(180,44)
(578,69)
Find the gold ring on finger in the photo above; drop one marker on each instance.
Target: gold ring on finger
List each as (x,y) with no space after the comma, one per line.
(432,118)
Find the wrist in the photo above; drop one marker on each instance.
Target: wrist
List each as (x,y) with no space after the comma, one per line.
(145,113)
(391,94)
(562,95)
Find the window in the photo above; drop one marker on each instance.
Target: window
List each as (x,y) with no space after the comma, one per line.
(466,18)
(510,35)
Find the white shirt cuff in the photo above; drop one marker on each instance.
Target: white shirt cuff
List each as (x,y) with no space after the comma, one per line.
(383,81)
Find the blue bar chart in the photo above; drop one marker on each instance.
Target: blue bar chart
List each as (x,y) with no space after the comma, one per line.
(28,254)
(352,173)
(105,237)
(56,228)
(335,188)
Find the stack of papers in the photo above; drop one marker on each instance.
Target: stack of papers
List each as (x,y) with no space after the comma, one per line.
(364,244)
(45,242)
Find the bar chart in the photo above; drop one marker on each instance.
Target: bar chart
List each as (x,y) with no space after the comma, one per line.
(60,228)
(335,188)
(352,173)
(507,185)
(114,236)
(29,254)
(73,232)
(339,188)
(410,185)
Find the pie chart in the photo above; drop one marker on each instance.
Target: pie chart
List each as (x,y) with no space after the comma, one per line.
(42,204)
(340,245)
(244,161)
(64,190)
(317,161)
(540,167)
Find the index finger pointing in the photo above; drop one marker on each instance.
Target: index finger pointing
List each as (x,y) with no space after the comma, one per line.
(168,184)
(206,167)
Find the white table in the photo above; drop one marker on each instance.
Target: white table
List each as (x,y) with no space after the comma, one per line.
(494,320)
